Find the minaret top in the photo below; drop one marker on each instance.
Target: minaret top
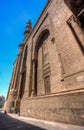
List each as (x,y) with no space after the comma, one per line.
(28,29)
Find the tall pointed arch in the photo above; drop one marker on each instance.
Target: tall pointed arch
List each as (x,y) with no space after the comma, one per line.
(42,83)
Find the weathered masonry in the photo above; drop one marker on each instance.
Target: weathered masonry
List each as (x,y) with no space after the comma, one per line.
(48,74)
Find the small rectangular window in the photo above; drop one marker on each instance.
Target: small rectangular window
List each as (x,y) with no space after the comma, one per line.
(47,84)
(45,59)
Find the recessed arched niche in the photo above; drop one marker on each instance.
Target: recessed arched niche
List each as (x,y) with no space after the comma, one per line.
(42,74)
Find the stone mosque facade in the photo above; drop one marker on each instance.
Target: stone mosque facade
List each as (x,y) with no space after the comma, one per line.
(47,81)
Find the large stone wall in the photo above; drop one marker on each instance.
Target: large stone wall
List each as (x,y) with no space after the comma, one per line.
(70,55)
(67,75)
(66,61)
(67,108)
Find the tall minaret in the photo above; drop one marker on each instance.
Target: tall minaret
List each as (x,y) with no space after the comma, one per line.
(28,29)
(15,84)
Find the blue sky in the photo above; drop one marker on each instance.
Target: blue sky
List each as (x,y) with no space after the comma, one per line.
(14,15)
